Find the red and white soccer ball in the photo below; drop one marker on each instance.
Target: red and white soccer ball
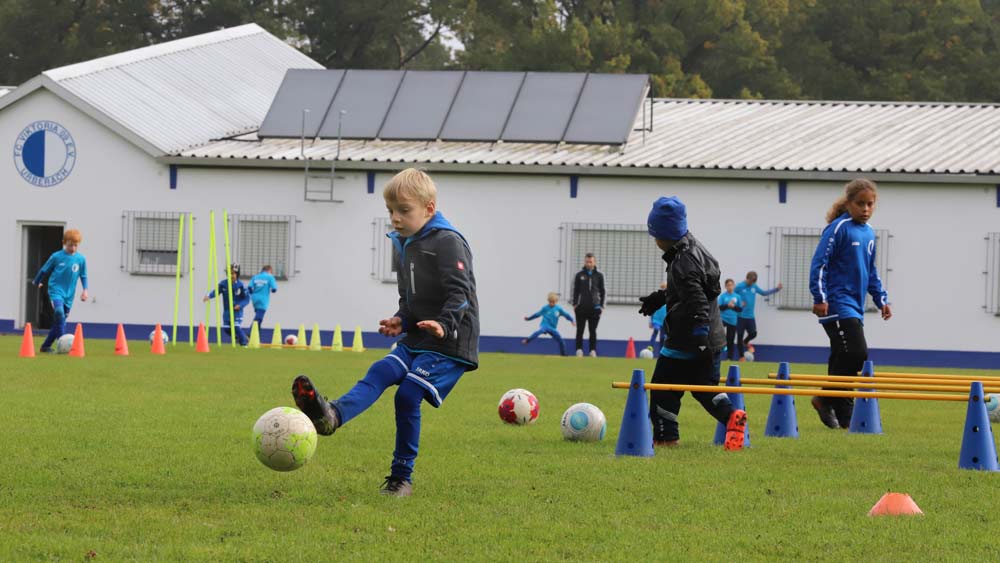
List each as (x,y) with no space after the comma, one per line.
(291,340)
(518,407)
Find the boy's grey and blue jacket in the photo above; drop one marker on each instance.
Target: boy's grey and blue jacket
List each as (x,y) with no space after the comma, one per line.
(436,283)
(692,296)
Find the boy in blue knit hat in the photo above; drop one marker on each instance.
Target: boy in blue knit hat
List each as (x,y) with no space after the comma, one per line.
(692,352)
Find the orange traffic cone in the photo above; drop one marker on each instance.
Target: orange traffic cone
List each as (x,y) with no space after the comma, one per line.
(158,341)
(202,344)
(121,344)
(77,349)
(895,504)
(630,349)
(28,342)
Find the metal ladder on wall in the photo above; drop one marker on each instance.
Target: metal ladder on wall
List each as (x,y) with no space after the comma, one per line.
(318,184)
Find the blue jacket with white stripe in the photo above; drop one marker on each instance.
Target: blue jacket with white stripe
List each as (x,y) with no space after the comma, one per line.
(843,269)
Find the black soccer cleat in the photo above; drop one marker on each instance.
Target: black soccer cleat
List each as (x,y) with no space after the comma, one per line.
(315,406)
(826,415)
(396,487)
(844,410)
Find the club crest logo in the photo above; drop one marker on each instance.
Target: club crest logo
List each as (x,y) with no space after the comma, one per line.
(44,154)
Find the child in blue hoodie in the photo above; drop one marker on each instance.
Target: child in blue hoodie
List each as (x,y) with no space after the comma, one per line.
(439,314)
(550,319)
(746,325)
(730,303)
(656,323)
(61,272)
(843,269)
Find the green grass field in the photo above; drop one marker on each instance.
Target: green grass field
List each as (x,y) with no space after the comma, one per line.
(149,458)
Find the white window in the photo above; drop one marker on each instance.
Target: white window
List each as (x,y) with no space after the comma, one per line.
(992,273)
(149,242)
(259,240)
(790,260)
(385,257)
(626,254)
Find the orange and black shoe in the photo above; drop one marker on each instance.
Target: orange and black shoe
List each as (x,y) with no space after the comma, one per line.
(666,443)
(315,406)
(736,430)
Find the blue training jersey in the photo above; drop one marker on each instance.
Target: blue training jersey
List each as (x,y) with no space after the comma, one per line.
(748,293)
(550,316)
(242,298)
(843,268)
(659,317)
(730,316)
(63,270)
(261,287)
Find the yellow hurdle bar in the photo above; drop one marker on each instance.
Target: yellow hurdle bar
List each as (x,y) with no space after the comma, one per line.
(936,375)
(870,384)
(798,392)
(919,381)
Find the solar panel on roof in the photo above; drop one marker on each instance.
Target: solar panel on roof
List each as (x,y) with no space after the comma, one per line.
(366,96)
(300,89)
(481,106)
(607,108)
(421,105)
(543,107)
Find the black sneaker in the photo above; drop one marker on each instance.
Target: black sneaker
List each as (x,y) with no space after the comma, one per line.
(396,487)
(826,415)
(844,409)
(315,406)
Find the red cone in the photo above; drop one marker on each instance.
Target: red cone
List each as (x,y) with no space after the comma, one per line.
(630,349)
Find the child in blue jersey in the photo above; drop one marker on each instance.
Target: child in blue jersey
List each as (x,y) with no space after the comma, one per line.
(242,298)
(746,326)
(261,287)
(61,271)
(550,319)
(439,314)
(656,324)
(843,269)
(692,352)
(730,304)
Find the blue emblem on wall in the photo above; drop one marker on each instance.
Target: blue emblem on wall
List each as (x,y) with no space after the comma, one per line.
(44,153)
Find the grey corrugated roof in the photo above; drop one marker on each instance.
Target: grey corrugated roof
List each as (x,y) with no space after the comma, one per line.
(723,135)
(175,95)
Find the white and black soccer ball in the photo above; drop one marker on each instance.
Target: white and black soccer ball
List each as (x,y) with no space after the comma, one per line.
(583,422)
(163,336)
(993,406)
(64,344)
(646,353)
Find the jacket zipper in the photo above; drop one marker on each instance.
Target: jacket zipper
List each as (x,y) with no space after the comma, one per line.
(413,282)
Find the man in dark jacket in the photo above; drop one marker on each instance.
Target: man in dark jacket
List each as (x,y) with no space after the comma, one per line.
(438,311)
(588,302)
(692,352)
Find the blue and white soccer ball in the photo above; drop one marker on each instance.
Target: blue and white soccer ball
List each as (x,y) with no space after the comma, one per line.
(748,356)
(993,407)
(583,422)
(64,344)
(163,334)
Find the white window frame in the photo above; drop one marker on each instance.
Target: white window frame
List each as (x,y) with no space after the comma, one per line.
(249,253)
(627,256)
(795,294)
(384,259)
(137,240)
(992,274)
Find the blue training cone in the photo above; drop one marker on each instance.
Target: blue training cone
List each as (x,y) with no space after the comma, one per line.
(732,380)
(635,437)
(979,451)
(866,418)
(781,419)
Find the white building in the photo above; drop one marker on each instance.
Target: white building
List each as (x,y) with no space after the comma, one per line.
(146,135)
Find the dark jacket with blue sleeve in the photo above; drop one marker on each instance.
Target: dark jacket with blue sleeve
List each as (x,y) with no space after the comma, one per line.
(436,283)
(692,296)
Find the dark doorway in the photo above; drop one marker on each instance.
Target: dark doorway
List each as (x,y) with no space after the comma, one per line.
(40,241)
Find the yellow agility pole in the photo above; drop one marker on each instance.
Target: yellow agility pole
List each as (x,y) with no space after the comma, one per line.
(935,375)
(921,381)
(957,387)
(797,392)
(213,269)
(191,279)
(229,279)
(177,282)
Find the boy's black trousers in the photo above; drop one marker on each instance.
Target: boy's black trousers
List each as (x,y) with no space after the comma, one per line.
(664,406)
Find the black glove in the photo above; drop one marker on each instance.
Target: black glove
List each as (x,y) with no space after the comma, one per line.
(700,339)
(652,302)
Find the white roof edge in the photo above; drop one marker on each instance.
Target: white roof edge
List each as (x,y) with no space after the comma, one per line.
(152,51)
(21,91)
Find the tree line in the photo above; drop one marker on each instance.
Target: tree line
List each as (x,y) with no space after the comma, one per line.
(932,50)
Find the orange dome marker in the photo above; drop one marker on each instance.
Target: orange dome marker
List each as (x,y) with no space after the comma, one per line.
(895,504)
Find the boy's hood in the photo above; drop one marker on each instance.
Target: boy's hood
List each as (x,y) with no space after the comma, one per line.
(436,223)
